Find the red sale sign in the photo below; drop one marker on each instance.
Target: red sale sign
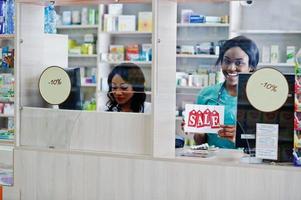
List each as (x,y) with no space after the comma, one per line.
(203,118)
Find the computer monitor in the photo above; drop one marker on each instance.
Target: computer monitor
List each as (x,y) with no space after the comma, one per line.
(74,100)
(248,117)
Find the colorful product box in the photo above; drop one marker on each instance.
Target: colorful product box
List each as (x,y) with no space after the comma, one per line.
(297,139)
(132,52)
(196,19)
(146,52)
(298,102)
(145,21)
(116,53)
(297,121)
(290,54)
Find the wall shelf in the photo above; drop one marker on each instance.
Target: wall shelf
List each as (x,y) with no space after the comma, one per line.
(6,100)
(7,36)
(6,142)
(130,33)
(179,25)
(276,64)
(146,92)
(82,56)
(140,63)
(6,115)
(189,87)
(197,56)
(77,27)
(267,31)
(88,85)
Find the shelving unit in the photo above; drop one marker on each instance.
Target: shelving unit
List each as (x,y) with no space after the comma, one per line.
(265,32)
(88,63)
(8,119)
(192,34)
(123,38)
(104,40)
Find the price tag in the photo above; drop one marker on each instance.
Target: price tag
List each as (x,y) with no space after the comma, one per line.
(54,85)
(267,89)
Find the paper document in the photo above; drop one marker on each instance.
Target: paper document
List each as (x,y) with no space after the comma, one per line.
(267,141)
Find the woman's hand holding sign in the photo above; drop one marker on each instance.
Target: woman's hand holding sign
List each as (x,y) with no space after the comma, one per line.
(227,131)
(202,119)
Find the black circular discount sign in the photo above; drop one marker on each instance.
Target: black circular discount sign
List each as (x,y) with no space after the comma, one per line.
(54,85)
(267,89)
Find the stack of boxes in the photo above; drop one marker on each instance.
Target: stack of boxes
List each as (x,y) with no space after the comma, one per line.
(297,118)
(6,105)
(116,21)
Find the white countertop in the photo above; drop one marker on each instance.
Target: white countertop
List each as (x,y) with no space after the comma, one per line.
(224,157)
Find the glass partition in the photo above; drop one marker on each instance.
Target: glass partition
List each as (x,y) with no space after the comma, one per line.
(106,51)
(89,41)
(202,31)
(102,37)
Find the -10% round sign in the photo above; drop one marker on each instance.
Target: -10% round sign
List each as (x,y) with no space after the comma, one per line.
(54,85)
(267,89)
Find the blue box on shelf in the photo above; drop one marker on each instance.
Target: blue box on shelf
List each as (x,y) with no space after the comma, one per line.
(196,19)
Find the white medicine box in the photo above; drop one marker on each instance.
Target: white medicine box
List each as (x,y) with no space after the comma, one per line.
(274,54)
(126,23)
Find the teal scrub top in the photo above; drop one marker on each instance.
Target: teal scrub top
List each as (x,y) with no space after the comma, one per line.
(218,95)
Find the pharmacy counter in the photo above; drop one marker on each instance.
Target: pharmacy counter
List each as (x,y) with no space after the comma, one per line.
(60,174)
